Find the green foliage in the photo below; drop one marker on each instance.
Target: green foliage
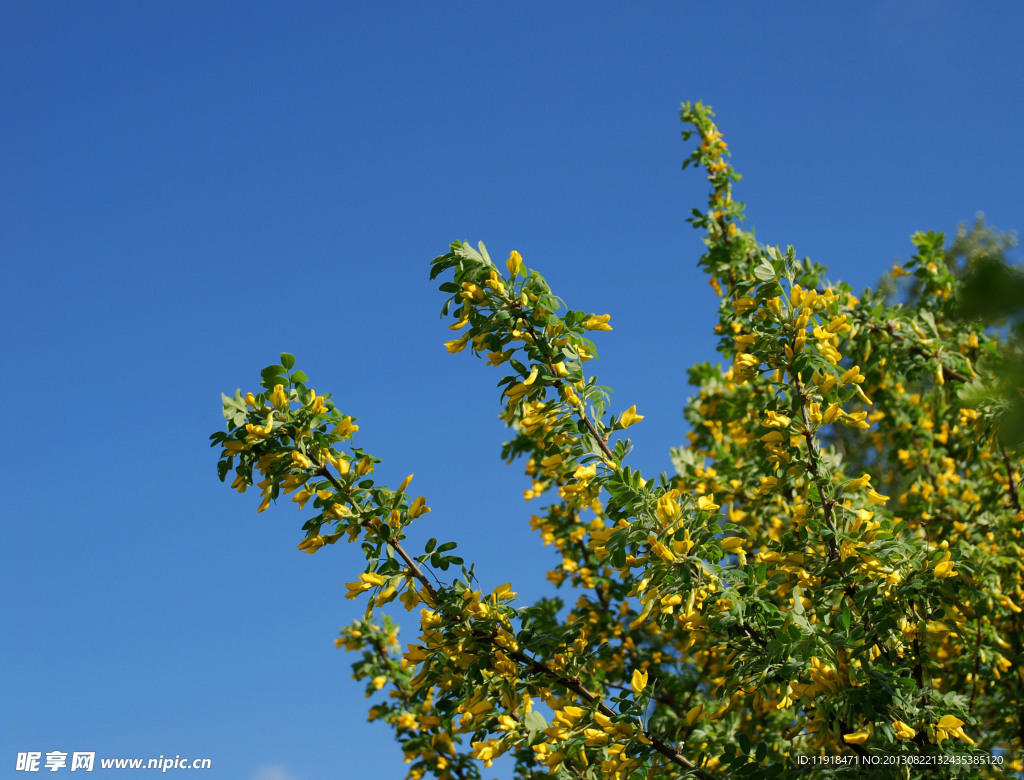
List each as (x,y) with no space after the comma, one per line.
(766,610)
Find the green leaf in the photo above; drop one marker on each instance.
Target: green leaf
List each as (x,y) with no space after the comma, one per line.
(535,725)
(744,742)
(619,557)
(299,376)
(769,290)
(287,360)
(764,271)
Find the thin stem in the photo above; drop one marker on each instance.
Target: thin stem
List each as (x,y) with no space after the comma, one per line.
(812,467)
(1011,475)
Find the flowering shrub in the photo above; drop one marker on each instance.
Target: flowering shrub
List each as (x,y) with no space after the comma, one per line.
(830,580)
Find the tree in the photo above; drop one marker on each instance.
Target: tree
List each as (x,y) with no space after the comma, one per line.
(830,580)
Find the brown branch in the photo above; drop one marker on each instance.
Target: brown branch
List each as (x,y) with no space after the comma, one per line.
(405,693)
(414,569)
(536,667)
(573,684)
(812,467)
(1011,476)
(601,441)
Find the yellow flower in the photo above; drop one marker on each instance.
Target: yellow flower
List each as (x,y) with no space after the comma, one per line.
(857,737)
(495,283)
(345,428)
(775,420)
(877,498)
(744,304)
(416,654)
(830,353)
(457,345)
(629,417)
(838,325)
(853,376)
(505,722)
(278,397)
(366,582)
(954,727)
(407,721)
(693,714)
(707,503)
(638,682)
(857,484)
(301,460)
(903,731)
(597,322)
(731,543)
(409,598)
(659,549)
(312,544)
(944,568)
(496,358)
(405,484)
(471,292)
(418,507)
(746,362)
(484,751)
(514,263)
(595,737)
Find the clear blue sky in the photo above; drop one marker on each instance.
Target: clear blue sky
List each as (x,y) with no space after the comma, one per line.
(190,188)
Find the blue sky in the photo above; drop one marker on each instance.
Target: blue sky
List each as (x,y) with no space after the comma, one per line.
(190,188)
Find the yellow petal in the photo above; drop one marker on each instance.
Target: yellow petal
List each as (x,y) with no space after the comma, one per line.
(950,722)
(707,503)
(629,417)
(514,263)
(638,682)
(903,731)
(857,737)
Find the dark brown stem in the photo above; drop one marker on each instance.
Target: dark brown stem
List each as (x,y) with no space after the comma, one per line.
(601,442)
(573,684)
(812,467)
(1011,475)
(414,569)
(536,667)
